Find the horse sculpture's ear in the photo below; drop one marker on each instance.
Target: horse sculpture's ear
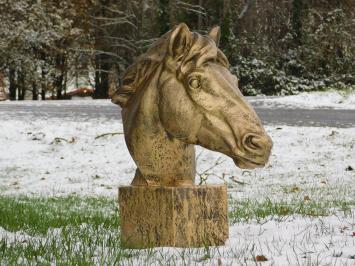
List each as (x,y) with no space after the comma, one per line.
(215,34)
(180,39)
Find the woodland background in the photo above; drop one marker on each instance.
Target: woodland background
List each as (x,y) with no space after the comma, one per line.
(275,47)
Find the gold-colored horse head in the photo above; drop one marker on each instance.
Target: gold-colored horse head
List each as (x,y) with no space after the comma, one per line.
(178,94)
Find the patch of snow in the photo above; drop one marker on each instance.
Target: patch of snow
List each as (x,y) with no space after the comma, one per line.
(313,100)
(310,100)
(303,239)
(54,103)
(292,240)
(60,156)
(19,236)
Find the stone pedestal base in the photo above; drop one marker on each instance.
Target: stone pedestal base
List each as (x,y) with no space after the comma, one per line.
(194,216)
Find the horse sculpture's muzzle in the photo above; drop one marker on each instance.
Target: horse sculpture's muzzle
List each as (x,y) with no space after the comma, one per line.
(255,151)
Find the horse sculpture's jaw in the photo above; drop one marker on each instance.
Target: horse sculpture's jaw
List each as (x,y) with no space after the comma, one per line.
(247,164)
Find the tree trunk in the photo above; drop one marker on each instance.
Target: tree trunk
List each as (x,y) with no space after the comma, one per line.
(65,81)
(43,95)
(21,87)
(163,17)
(58,86)
(34,91)
(226,21)
(297,20)
(43,86)
(12,87)
(101,77)
(59,81)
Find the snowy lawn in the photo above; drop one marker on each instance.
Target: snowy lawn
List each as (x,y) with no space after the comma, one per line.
(58,191)
(313,100)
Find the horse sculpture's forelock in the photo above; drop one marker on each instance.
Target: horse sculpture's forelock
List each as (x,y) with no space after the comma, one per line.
(201,50)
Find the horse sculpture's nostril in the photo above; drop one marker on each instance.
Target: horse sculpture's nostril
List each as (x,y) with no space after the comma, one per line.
(253,142)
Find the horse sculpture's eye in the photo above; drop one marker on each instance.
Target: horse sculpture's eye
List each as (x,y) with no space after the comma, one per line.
(195,83)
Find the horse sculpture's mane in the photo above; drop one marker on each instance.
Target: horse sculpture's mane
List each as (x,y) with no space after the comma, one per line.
(201,50)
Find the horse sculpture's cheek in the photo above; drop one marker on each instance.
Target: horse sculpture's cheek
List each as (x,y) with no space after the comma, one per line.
(206,101)
(178,114)
(216,140)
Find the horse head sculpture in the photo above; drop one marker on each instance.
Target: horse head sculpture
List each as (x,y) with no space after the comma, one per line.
(178,94)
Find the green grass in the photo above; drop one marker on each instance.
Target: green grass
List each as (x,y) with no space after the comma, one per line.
(242,211)
(68,230)
(76,230)
(71,245)
(36,215)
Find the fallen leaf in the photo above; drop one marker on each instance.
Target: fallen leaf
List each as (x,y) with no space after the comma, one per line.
(337,254)
(38,136)
(349,168)
(306,198)
(333,133)
(60,140)
(295,189)
(342,229)
(261,258)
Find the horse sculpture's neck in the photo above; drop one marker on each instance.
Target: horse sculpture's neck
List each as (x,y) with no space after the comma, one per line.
(160,162)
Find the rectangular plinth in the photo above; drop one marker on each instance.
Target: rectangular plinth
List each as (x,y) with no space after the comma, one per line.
(193,216)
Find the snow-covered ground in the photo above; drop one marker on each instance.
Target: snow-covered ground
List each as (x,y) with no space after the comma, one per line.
(312,100)
(56,157)
(54,103)
(294,240)
(69,156)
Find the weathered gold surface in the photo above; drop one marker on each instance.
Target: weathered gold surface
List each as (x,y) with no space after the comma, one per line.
(192,216)
(178,94)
